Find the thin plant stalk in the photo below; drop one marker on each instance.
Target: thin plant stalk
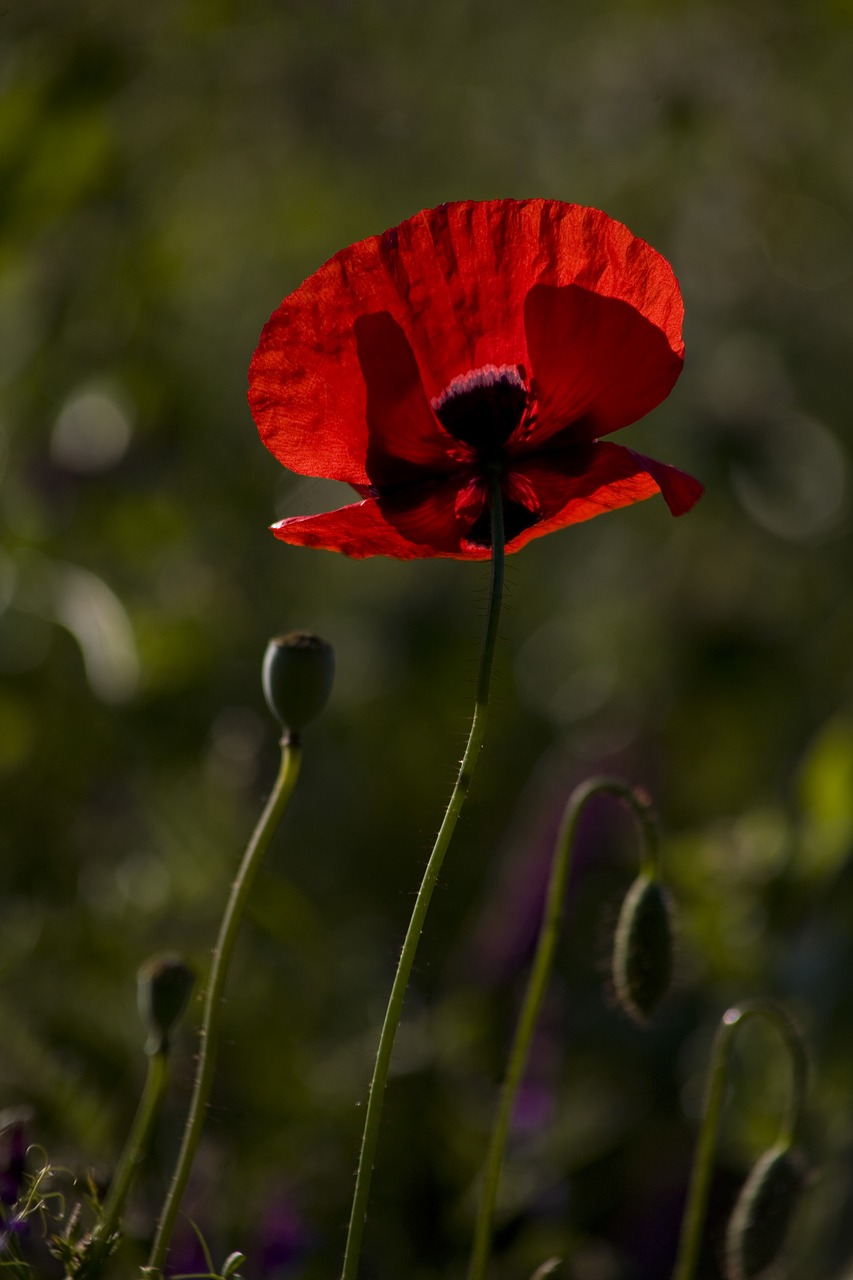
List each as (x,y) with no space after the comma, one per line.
(134,1149)
(394,1008)
(291,757)
(537,983)
(703,1163)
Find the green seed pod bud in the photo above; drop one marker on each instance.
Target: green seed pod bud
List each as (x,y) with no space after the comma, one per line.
(643,949)
(298,673)
(763,1213)
(164,984)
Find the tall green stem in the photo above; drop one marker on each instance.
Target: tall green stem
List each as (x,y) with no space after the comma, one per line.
(703,1163)
(394,1009)
(290,761)
(537,984)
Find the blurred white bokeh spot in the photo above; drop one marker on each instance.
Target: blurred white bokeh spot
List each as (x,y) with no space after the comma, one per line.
(795,482)
(84,605)
(93,430)
(97,619)
(236,738)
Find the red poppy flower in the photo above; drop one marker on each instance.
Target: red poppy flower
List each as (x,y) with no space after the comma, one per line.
(508,334)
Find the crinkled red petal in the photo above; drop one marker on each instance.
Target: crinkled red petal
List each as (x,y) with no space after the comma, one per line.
(404,436)
(680,491)
(358,530)
(454,279)
(407,526)
(436,516)
(598,364)
(564,489)
(581,483)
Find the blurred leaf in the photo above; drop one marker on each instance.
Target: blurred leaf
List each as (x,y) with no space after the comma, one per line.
(826,794)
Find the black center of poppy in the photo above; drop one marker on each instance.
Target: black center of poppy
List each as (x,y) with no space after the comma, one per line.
(483,408)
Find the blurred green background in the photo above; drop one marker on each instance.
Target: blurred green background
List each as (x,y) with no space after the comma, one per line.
(169,172)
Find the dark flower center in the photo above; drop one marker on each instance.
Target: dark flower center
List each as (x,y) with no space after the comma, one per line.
(483,408)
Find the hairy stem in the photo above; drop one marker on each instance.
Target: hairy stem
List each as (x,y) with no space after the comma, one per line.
(394,1009)
(136,1145)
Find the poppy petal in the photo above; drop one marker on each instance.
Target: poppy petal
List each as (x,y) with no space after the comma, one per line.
(598,364)
(586,481)
(680,491)
(358,530)
(454,279)
(557,489)
(449,521)
(412,528)
(405,437)
(435,516)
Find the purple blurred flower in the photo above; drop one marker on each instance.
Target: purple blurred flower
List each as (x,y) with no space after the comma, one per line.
(535,1107)
(13,1156)
(284,1237)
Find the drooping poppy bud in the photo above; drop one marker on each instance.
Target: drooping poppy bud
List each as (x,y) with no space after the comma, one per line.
(164,984)
(643,949)
(298,674)
(763,1212)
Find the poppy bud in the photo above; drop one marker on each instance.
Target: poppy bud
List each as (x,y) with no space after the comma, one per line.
(163,988)
(762,1215)
(298,673)
(643,949)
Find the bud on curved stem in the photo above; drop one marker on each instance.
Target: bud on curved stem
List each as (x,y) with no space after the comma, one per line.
(537,983)
(163,988)
(764,1210)
(211,1021)
(164,985)
(297,676)
(643,949)
(753,1202)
